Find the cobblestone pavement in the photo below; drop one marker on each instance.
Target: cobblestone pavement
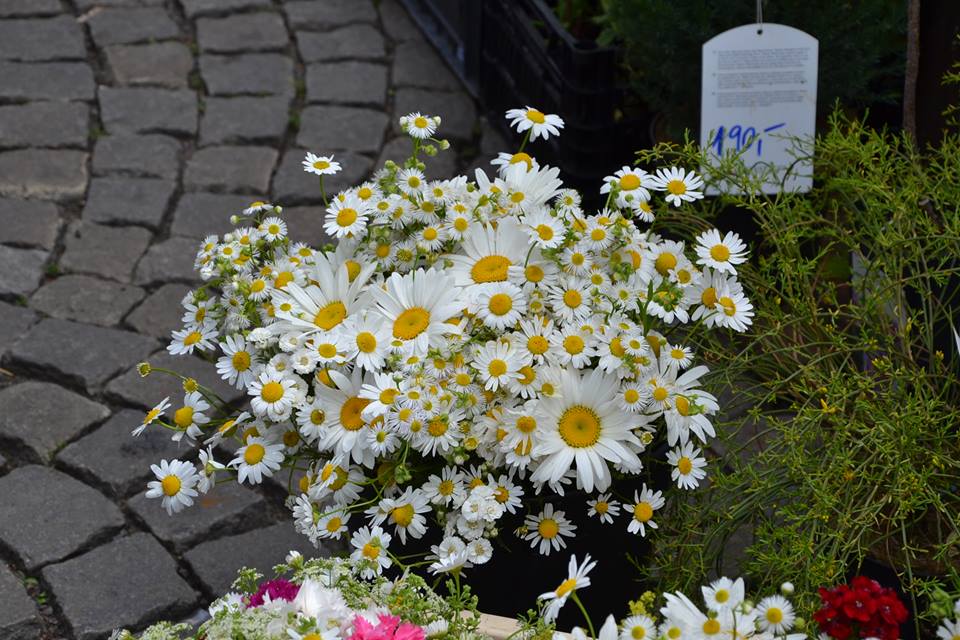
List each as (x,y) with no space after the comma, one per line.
(129,129)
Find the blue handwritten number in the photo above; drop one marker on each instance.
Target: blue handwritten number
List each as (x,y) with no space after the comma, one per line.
(741,137)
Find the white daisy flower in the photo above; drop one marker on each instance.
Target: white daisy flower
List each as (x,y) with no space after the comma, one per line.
(722,254)
(320,165)
(497,363)
(345,217)
(273,229)
(490,255)
(570,300)
(645,503)
(208,468)
(381,439)
(405,512)
(238,364)
(681,185)
(577,260)
(548,530)
(419,126)
(638,627)
(775,615)
(447,489)
(545,231)
(411,181)
(417,306)
(506,492)
(541,125)
(272,395)
(577,578)
(479,551)
(633,186)
(333,524)
(256,459)
(603,508)
(366,338)
(175,484)
(506,160)
(190,416)
(258,207)
(723,594)
(736,311)
(151,416)
(688,466)
(370,550)
(573,347)
(500,305)
(187,339)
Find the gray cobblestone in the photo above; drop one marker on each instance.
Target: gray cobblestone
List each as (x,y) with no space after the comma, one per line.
(113,458)
(127,26)
(20,8)
(28,223)
(329,128)
(110,252)
(166,64)
(85,5)
(46,515)
(216,562)
(128,200)
(347,83)
(37,39)
(200,214)
(155,156)
(237,169)
(442,165)
(194,8)
(134,389)
(42,417)
(20,620)
(292,185)
(456,109)
(46,81)
(148,111)
(86,299)
(160,313)
(43,174)
(359,41)
(20,270)
(252,74)
(305,224)
(81,353)
(263,31)
(136,583)
(170,260)
(306,14)
(44,124)
(416,64)
(397,23)
(244,119)
(15,322)
(228,508)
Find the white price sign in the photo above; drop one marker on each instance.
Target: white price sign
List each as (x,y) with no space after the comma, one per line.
(759,95)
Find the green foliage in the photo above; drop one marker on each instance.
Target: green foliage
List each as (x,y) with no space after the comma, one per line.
(862,47)
(850,448)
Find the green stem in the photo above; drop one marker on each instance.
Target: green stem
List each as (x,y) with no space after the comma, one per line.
(323,194)
(526,138)
(586,616)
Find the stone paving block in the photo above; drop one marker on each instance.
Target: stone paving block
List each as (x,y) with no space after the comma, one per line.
(86,299)
(84,5)
(305,224)
(127,26)
(45,124)
(113,458)
(46,81)
(160,313)
(292,185)
(134,389)
(329,128)
(442,165)
(417,64)
(228,508)
(111,252)
(21,270)
(357,42)
(82,353)
(347,82)
(216,562)
(19,619)
(166,64)
(200,214)
(150,155)
(397,23)
(263,31)
(43,174)
(29,223)
(253,73)
(238,169)
(194,8)
(128,200)
(59,38)
(43,417)
(15,322)
(136,583)
(457,110)
(46,515)
(148,111)
(244,119)
(20,8)
(307,14)
(168,261)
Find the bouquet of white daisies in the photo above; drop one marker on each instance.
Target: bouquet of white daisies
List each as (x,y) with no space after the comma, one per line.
(467,349)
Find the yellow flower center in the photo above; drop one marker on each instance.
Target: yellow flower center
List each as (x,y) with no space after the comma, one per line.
(536,116)
(350,412)
(548,528)
(572,298)
(446,487)
(721,595)
(151,415)
(413,181)
(685,466)
(677,187)
(346,217)
(660,394)
(642,511)
(720,252)
(333,525)
(291,438)
(566,587)
(545,232)
(183,417)
(437,427)
(709,297)
(711,627)
(271,392)
(602,507)
(317,416)
(283,279)
(526,424)
(522,157)
(665,262)
(330,316)
(573,345)
(383,250)
(327,350)
(497,367)
(353,269)
(729,306)
(517,197)
(241,361)
(629,182)
(365,193)
(490,269)
(638,633)
(192,338)
(461,224)
(683,406)
(775,616)
(402,516)
(254,453)
(500,304)
(171,485)
(598,235)
(387,396)
(366,342)
(371,551)
(321,165)
(578,259)
(579,427)
(616,347)
(411,323)
(430,234)
(420,122)
(630,396)
(537,345)
(528,374)
(674,633)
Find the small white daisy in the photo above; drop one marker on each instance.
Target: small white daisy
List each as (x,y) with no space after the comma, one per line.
(175,484)
(258,458)
(688,466)
(645,503)
(603,508)
(345,217)
(548,530)
(419,126)
(681,185)
(541,125)
(722,254)
(151,416)
(320,165)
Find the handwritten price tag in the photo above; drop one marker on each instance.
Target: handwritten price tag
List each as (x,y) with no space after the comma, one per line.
(759,100)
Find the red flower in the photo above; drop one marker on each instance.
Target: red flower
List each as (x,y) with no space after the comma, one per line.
(863,609)
(278,589)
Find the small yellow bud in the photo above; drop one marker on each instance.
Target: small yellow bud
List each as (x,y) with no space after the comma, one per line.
(144,369)
(190,385)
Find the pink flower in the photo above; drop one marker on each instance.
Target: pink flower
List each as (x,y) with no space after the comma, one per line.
(278,589)
(388,628)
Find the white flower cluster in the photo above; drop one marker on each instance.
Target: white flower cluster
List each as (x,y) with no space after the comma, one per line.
(467,343)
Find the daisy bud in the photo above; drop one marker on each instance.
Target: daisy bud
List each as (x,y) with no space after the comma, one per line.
(429,149)
(800,623)
(444,145)
(390,165)
(294,559)
(144,369)
(787,588)
(234,219)
(747,606)
(189,385)
(278,209)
